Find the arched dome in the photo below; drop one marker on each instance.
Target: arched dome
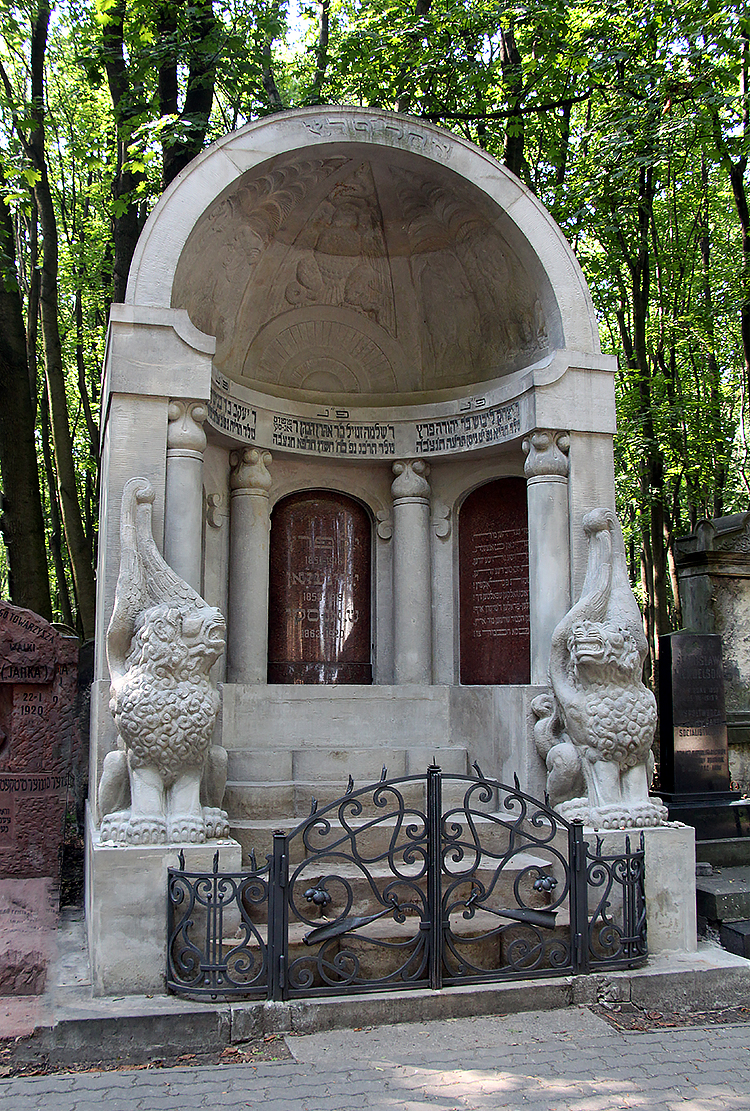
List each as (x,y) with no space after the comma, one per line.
(355,253)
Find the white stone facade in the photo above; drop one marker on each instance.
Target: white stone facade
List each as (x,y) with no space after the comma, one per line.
(358,302)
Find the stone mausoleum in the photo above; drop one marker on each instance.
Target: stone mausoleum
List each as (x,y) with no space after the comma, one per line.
(359,364)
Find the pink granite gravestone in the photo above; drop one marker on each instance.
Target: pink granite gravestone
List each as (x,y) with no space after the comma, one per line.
(39,743)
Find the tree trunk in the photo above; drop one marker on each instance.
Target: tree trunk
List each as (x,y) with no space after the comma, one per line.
(79,550)
(22,519)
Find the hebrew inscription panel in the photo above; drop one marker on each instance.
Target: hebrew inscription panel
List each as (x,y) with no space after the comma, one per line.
(319,600)
(495,635)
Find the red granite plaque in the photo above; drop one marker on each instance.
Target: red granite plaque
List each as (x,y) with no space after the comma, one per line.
(493,547)
(319,596)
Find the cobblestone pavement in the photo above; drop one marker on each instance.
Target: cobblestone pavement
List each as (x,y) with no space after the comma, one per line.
(568,1060)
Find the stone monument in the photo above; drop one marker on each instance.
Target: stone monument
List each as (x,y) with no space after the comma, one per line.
(39,773)
(360,368)
(694,762)
(597,723)
(713,572)
(165,781)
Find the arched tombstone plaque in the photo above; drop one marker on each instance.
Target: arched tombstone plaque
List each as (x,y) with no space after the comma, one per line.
(493,543)
(319,597)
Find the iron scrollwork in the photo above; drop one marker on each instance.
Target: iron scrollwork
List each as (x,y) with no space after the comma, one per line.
(410,882)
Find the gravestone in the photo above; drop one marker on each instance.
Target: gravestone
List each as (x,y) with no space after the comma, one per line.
(694,768)
(713,572)
(39,753)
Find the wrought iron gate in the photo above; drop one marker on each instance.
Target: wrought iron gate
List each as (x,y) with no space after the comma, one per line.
(411,882)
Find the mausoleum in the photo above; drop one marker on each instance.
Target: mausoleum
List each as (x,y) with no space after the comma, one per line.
(359,365)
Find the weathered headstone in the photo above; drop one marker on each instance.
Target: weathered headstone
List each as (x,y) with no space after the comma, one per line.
(713,571)
(693,721)
(39,751)
(694,767)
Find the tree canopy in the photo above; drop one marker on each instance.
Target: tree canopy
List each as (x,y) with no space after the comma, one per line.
(629,120)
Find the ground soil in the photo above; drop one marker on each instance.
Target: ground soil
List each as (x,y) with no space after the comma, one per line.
(14,1058)
(627,1017)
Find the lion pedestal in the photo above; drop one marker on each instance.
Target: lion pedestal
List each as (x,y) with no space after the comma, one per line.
(161,789)
(126,908)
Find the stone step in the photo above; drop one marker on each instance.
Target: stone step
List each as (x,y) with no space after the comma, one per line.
(352,886)
(735,937)
(724,896)
(334,762)
(257,835)
(724,852)
(263,800)
(383,946)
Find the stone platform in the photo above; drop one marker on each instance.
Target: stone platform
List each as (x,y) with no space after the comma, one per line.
(69,1023)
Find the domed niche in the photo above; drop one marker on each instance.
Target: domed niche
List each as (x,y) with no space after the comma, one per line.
(354,269)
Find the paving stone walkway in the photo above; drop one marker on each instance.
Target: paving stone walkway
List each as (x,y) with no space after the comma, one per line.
(568,1060)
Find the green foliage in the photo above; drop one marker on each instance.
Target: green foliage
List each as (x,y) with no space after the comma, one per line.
(626,119)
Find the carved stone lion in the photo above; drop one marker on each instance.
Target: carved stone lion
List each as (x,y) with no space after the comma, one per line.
(165,782)
(596,725)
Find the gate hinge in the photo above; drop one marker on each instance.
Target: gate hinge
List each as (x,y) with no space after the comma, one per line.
(578,946)
(283,870)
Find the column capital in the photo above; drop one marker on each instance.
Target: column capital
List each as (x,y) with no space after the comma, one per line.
(249,473)
(411,479)
(546,454)
(185,427)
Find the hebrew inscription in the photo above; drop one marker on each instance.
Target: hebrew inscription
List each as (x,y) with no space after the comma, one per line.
(494,584)
(319,625)
(343,433)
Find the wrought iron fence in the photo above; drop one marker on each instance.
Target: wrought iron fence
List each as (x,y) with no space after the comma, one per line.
(418,881)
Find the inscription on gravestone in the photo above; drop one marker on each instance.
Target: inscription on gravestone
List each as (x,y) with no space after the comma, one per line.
(494,584)
(694,754)
(38,740)
(319,597)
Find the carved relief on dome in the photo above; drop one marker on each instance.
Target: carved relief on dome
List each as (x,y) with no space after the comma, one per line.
(341,253)
(459,258)
(325,350)
(233,234)
(371,272)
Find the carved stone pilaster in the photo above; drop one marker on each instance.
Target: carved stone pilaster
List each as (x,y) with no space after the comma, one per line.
(441,520)
(384,527)
(546,472)
(185,433)
(546,454)
(216,510)
(411,479)
(250,524)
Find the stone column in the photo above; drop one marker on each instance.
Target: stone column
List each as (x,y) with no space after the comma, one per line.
(546,471)
(249,527)
(183,511)
(412,593)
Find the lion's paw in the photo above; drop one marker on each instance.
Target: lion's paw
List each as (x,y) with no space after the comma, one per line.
(114,826)
(217,822)
(187,829)
(133,829)
(147,829)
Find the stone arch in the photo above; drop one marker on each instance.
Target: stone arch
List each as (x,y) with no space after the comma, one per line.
(321,252)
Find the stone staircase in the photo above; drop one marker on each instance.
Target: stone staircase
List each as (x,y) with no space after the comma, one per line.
(722,889)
